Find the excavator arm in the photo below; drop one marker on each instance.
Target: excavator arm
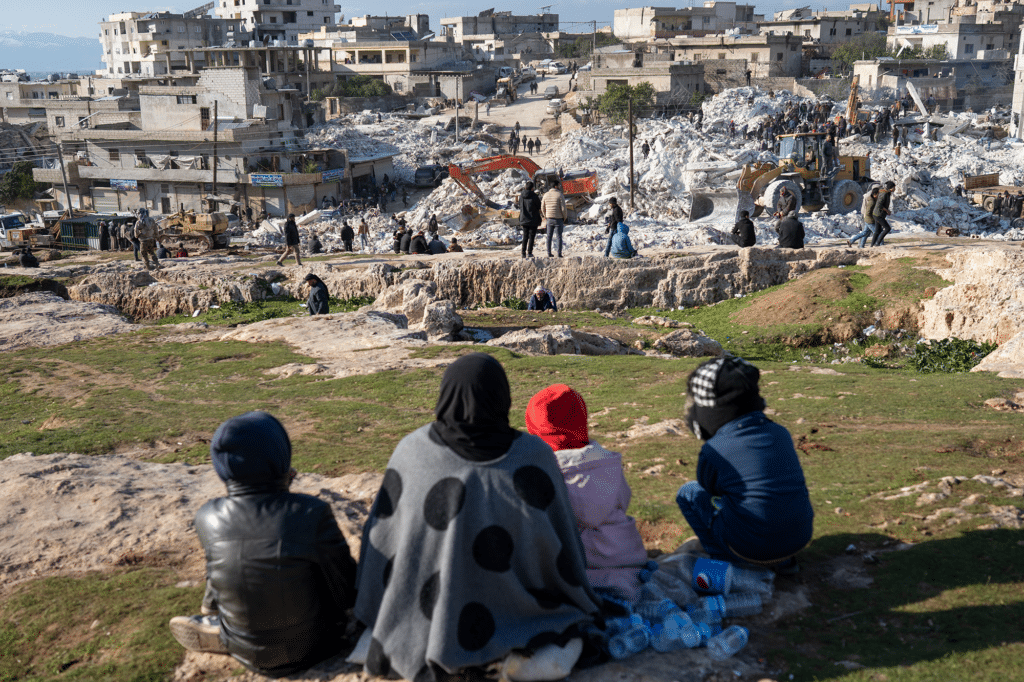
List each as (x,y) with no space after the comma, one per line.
(462,174)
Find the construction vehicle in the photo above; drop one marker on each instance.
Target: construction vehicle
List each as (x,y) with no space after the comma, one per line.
(578,186)
(801,169)
(209,228)
(983,189)
(16,233)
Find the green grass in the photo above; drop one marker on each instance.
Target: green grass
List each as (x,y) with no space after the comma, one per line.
(103,626)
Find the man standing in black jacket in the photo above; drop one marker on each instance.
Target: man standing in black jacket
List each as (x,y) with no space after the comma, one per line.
(743,231)
(291,240)
(881,212)
(279,575)
(529,217)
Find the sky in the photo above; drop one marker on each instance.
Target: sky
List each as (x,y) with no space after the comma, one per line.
(80,18)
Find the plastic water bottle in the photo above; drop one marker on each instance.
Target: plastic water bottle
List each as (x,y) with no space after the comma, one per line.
(707,609)
(742,604)
(656,611)
(707,631)
(677,632)
(760,580)
(629,642)
(731,640)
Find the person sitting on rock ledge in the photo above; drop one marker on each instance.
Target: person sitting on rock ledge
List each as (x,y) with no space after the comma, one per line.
(418,244)
(279,575)
(750,501)
(542,300)
(27,260)
(181,252)
(318,295)
(455,247)
(622,247)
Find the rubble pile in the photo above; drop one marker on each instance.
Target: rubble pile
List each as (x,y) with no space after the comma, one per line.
(682,159)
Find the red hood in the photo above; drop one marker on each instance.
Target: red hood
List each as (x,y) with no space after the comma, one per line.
(559,416)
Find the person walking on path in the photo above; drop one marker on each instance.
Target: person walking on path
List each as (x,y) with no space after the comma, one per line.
(291,241)
(881,212)
(347,235)
(553,210)
(867,212)
(364,234)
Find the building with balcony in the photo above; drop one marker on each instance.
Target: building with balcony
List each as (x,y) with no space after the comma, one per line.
(154,43)
(491,23)
(22,102)
(825,28)
(223,135)
(962,38)
(277,20)
(726,58)
(954,83)
(642,24)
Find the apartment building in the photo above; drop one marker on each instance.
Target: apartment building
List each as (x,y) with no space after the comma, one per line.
(650,23)
(154,43)
(281,20)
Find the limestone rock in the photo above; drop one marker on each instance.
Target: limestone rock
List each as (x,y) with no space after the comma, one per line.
(440,320)
(986,303)
(1003,405)
(45,319)
(409,298)
(1007,360)
(658,321)
(688,344)
(559,339)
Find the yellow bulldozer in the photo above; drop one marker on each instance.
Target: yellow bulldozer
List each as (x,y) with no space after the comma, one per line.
(208,228)
(816,182)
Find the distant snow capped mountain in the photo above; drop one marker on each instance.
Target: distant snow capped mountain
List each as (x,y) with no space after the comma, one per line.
(49,52)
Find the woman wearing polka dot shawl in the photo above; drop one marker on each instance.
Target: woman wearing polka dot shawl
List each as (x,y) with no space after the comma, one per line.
(471,549)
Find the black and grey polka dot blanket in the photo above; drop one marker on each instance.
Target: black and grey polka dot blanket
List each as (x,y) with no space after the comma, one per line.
(463,561)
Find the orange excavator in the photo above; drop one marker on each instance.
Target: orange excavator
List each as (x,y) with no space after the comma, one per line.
(579,186)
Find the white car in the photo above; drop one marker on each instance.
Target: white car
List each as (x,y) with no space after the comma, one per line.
(556,106)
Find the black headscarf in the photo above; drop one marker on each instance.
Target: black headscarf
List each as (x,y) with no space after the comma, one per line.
(472,409)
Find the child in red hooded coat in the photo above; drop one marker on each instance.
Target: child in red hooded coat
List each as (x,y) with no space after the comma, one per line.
(597,487)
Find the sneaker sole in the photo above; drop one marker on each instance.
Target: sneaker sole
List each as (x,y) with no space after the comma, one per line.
(196,637)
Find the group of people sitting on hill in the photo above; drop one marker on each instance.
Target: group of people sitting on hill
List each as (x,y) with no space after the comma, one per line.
(483,541)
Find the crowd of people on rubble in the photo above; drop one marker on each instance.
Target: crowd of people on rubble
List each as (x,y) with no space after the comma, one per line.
(484,542)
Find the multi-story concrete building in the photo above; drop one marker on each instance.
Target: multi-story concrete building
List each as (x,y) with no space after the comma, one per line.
(954,83)
(22,102)
(154,43)
(641,24)
(228,126)
(962,38)
(674,82)
(491,23)
(765,56)
(826,27)
(280,20)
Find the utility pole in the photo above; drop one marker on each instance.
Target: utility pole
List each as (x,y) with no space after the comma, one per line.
(593,47)
(632,184)
(63,173)
(215,147)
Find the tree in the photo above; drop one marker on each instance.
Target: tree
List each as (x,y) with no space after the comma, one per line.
(614,103)
(583,47)
(19,183)
(356,86)
(864,46)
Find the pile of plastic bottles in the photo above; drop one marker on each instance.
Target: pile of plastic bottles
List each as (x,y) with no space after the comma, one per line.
(659,621)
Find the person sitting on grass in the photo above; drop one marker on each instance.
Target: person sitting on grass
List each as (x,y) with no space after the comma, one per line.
(279,575)
(750,501)
(597,488)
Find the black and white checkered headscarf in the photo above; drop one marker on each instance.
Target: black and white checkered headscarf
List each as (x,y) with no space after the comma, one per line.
(721,390)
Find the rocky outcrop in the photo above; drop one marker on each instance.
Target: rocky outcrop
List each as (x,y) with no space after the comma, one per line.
(143,295)
(45,319)
(686,343)
(440,321)
(986,301)
(1007,361)
(560,339)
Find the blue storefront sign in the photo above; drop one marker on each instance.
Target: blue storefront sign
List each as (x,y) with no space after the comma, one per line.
(266,180)
(333,175)
(124,185)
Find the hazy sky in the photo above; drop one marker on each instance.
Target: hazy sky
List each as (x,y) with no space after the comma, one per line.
(81,17)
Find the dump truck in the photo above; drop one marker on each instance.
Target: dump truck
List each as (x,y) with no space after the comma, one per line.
(15,232)
(801,169)
(982,189)
(579,187)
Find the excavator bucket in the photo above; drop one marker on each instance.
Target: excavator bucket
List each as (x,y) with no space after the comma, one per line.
(719,206)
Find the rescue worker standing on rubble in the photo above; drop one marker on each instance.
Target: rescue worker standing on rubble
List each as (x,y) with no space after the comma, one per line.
(146,232)
(881,212)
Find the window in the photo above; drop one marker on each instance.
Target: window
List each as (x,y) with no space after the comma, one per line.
(273,20)
(199,29)
(113,155)
(309,14)
(53,95)
(832,31)
(326,20)
(778,56)
(721,55)
(83,122)
(849,31)
(231,27)
(10,95)
(181,29)
(968,48)
(807,33)
(721,72)
(140,154)
(753,56)
(186,99)
(792,48)
(58,121)
(990,46)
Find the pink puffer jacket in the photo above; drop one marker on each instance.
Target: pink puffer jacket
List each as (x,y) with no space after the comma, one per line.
(600,496)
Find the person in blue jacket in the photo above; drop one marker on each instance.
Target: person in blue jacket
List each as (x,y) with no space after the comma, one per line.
(542,299)
(750,501)
(621,246)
